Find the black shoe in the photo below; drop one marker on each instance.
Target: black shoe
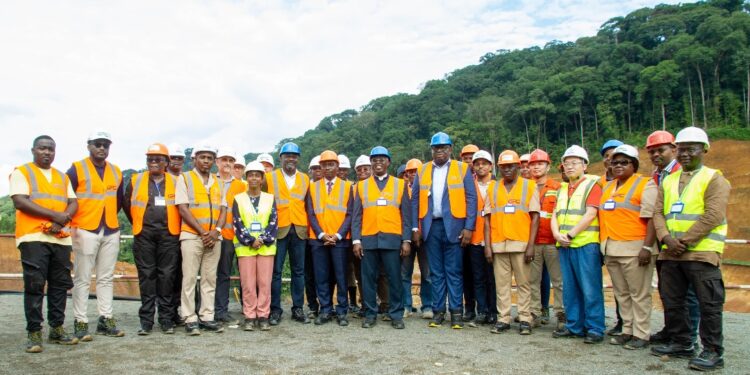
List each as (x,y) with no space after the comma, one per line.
(192,329)
(323,318)
(263,324)
(398,324)
(354,309)
(674,350)
(145,330)
(636,343)
(34,344)
(524,328)
(212,326)
(706,361)
(248,325)
(491,319)
(479,319)
(274,319)
(369,322)
(593,339)
(228,320)
(167,329)
(179,322)
(108,327)
(299,316)
(312,314)
(660,338)
(469,316)
(620,340)
(616,330)
(500,327)
(564,332)
(437,319)
(457,321)
(57,335)
(343,322)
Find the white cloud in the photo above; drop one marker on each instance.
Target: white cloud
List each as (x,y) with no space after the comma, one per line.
(245,74)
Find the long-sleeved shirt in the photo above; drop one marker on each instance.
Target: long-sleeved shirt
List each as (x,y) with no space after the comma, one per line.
(242,233)
(382,240)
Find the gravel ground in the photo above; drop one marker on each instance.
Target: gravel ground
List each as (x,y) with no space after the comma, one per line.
(292,348)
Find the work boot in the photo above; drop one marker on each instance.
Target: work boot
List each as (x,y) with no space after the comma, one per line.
(249,325)
(481,318)
(322,318)
(500,327)
(674,350)
(34,344)
(81,331)
(561,320)
(535,321)
(524,328)
(299,315)
(229,320)
(369,322)
(167,329)
(192,329)
(108,327)
(211,325)
(263,324)
(144,331)
(661,337)
(275,318)
(57,335)
(342,320)
(636,343)
(620,340)
(457,321)
(592,338)
(398,324)
(545,317)
(616,330)
(706,361)
(437,320)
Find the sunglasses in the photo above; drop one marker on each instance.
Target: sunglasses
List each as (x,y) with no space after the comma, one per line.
(155,160)
(619,163)
(104,145)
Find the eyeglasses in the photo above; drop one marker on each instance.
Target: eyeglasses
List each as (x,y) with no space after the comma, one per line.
(619,163)
(569,164)
(104,145)
(155,160)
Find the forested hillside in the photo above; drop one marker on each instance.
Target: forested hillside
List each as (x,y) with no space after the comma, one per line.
(666,67)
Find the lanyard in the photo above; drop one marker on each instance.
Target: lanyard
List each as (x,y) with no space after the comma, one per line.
(158,191)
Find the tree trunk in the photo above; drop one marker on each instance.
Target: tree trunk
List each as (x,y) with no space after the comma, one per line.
(526,126)
(580,116)
(663,116)
(630,127)
(703,97)
(747,107)
(690,94)
(596,123)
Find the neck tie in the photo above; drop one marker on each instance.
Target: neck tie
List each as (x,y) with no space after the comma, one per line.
(330,186)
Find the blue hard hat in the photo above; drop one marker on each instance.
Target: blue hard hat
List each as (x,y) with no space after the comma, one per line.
(612,143)
(289,148)
(440,138)
(401,169)
(380,151)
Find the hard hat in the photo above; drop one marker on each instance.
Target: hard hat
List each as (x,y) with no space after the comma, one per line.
(328,155)
(626,150)
(100,134)
(380,151)
(255,166)
(204,148)
(659,137)
(289,148)
(469,149)
(192,153)
(344,162)
(176,150)
(539,155)
(525,157)
(401,169)
(226,151)
(264,157)
(157,149)
(577,151)
(508,157)
(362,160)
(413,164)
(440,138)
(315,162)
(692,134)
(481,154)
(612,143)
(239,158)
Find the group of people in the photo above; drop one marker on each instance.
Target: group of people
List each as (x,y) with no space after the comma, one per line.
(474,235)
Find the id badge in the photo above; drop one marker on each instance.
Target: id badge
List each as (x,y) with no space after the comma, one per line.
(160,201)
(677,208)
(609,205)
(382,202)
(509,209)
(256,227)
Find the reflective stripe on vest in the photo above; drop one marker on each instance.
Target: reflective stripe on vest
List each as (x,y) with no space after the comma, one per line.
(570,210)
(624,222)
(548,197)
(477,237)
(96,196)
(290,205)
(381,219)
(330,210)
(229,190)
(455,186)
(139,201)
(204,205)
(249,215)
(514,226)
(52,195)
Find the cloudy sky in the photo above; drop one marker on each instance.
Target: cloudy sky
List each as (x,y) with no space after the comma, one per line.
(244,74)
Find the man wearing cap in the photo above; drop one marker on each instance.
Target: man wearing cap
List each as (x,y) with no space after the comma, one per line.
(198,196)
(575,226)
(289,187)
(267,161)
(176,159)
(470,303)
(311,290)
(380,235)
(96,234)
(45,204)
(692,226)
(150,206)
(442,192)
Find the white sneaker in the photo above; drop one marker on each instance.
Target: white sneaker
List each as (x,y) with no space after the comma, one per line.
(407,313)
(427,314)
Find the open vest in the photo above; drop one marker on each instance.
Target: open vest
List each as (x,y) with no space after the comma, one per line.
(205,205)
(477,237)
(570,210)
(510,218)
(228,192)
(139,201)
(250,215)
(620,210)
(381,211)
(691,198)
(330,209)
(290,205)
(548,197)
(52,195)
(455,184)
(96,196)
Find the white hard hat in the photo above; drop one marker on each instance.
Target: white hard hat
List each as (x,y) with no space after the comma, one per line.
(264,157)
(99,134)
(577,151)
(315,162)
(481,154)
(626,150)
(239,158)
(176,150)
(255,166)
(692,134)
(344,161)
(525,157)
(226,151)
(362,160)
(204,148)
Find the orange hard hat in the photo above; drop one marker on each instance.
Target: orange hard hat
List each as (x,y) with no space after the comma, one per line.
(413,164)
(659,137)
(508,157)
(157,149)
(328,155)
(539,155)
(469,149)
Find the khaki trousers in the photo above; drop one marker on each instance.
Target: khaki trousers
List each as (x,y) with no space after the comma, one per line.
(632,289)
(545,254)
(505,266)
(198,259)
(93,252)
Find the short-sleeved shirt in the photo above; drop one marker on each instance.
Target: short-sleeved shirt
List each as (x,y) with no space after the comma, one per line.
(595,195)
(181,197)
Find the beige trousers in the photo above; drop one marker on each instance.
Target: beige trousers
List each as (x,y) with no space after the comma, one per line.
(632,288)
(505,266)
(198,259)
(545,254)
(93,252)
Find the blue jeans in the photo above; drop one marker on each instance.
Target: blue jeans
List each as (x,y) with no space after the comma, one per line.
(484,281)
(446,269)
(581,269)
(425,287)
(389,260)
(544,289)
(295,246)
(329,262)
(223,272)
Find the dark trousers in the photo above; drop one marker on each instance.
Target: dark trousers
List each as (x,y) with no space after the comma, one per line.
(692,304)
(311,292)
(677,276)
(390,261)
(156,259)
(425,286)
(330,262)
(45,263)
(177,290)
(483,279)
(544,288)
(295,246)
(470,299)
(223,273)
(446,269)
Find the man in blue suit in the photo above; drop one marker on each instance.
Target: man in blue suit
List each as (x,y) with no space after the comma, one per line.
(441,193)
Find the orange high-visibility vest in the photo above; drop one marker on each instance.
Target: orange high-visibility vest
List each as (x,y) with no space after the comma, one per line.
(52,195)
(514,226)
(330,209)
(455,184)
(229,191)
(139,201)
(548,196)
(290,205)
(204,205)
(381,211)
(478,236)
(623,221)
(96,197)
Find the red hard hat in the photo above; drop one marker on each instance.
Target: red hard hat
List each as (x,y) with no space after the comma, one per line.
(539,155)
(659,137)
